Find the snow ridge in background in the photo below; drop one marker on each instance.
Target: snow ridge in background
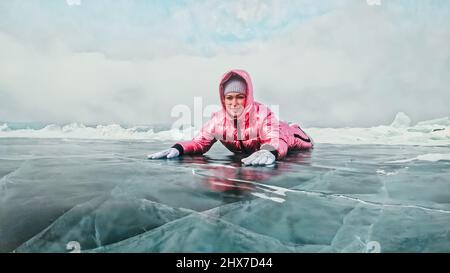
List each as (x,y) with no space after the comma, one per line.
(434,132)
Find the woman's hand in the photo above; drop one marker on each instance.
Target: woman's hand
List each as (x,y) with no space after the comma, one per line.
(261,157)
(169,153)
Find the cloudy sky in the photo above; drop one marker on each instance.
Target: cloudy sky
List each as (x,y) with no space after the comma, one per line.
(325,63)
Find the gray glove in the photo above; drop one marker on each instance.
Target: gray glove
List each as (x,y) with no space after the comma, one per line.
(261,157)
(169,153)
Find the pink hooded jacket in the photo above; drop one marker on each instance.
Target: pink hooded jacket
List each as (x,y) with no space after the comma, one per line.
(256,128)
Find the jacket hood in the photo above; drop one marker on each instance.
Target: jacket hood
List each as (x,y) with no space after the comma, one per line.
(243,74)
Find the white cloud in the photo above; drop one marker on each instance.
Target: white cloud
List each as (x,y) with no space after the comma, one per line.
(353,67)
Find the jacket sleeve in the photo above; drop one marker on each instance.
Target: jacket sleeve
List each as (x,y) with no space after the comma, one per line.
(271,137)
(201,143)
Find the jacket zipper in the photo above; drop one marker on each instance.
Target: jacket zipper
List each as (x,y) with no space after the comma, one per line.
(241,144)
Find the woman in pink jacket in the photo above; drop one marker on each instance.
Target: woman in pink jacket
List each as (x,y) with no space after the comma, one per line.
(243,126)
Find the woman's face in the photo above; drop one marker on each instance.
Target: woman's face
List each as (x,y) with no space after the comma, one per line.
(235,103)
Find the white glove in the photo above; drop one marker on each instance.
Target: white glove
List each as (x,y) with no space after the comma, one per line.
(261,157)
(169,153)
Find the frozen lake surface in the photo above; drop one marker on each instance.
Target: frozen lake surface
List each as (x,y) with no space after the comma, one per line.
(107,197)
